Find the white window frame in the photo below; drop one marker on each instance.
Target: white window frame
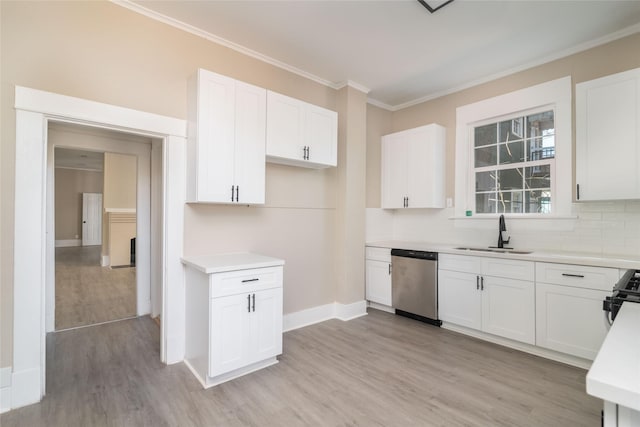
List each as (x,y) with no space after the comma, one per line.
(553,95)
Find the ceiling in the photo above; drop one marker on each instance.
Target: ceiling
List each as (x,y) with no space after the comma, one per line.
(66,158)
(396,49)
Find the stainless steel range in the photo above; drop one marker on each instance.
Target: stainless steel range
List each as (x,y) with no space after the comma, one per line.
(626,290)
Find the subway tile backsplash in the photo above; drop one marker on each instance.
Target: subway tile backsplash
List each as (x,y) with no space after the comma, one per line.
(599,228)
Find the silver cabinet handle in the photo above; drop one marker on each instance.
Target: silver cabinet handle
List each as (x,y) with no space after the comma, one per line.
(254,302)
(237,193)
(250,280)
(580,276)
(482,283)
(248,303)
(389,269)
(232,190)
(477,283)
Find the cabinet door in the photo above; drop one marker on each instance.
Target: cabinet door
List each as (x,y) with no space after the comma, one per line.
(321,135)
(249,156)
(608,137)
(459,299)
(394,171)
(228,344)
(285,121)
(214,139)
(425,167)
(265,325)
(378,282)
(508,308)
(570,320)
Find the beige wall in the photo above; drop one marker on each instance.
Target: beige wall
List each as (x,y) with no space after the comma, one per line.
(70,184)
(378,124)
(617,56)
(103,52)
(119,181)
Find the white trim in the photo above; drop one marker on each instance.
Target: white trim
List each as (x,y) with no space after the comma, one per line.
(34,109)
(355,85)
(321,313)
(120,210)
(105,261)
(527,348)
(555,94)
(68,243)
(221,41)
(346,312)
(5,389)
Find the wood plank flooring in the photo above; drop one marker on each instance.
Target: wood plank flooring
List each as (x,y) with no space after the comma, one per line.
(377,370)
(87,293)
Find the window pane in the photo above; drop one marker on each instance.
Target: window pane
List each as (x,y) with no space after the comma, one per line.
(510,179)
(538,201)
(511,130)
(510,202)
(512,152)
(538,177)
(540,124)
(486,156)
(537,149)
(485,135)
(486,203)
(486,181)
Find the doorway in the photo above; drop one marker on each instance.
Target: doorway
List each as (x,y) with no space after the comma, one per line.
(33,251)
(95,232)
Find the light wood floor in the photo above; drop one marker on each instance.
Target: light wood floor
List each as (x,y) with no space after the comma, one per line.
(378,370)
(87,293)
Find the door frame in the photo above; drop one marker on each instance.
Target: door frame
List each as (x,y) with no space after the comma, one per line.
(34,109)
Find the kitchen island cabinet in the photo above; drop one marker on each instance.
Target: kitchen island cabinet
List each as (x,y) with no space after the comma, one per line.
(234,315)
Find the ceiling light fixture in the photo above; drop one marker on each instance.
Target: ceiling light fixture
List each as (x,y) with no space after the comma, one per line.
(437,4)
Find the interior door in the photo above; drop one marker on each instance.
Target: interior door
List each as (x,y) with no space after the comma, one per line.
(91,219)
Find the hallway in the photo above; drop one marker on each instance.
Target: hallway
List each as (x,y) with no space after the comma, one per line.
(87,293)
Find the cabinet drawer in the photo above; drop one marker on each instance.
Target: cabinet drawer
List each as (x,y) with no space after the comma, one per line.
(378,254)
(508,268)
(236,282)
(579,276)
(461,263)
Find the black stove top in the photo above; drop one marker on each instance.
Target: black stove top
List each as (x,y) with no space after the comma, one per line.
(626,290)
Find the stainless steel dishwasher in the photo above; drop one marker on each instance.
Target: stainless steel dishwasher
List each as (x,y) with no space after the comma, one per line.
(414,284)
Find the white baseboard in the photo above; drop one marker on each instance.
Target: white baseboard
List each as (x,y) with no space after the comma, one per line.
(68,243)
(382,307)
(25,388)
(5,389)
(105,261)
(321,313)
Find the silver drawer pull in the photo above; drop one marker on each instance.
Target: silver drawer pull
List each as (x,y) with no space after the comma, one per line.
(250,280)
(573,275)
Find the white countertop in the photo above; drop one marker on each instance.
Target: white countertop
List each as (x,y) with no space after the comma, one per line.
(219,263)
(540,256)
(615,373)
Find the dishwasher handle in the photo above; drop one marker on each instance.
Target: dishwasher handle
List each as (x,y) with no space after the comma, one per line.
(404,253)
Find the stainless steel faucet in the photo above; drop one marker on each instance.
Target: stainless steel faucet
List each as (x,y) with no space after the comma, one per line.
(503,237)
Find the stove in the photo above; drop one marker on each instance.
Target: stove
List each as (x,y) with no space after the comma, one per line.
(626,290)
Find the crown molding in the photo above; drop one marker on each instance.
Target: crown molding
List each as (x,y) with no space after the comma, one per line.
(219,40)
(355,85)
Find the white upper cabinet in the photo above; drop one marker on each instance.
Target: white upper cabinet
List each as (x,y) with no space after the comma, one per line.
(413,168)
(608,137)
(299,133)
(226,140)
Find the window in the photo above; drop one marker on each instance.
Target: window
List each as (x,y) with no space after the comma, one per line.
(513,154)
(514,160)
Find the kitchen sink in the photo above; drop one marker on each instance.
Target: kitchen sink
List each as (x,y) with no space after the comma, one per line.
(496,250)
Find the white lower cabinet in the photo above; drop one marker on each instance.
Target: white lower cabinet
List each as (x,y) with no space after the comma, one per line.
(502,306)
(378,275)
(569,316)
(233,317)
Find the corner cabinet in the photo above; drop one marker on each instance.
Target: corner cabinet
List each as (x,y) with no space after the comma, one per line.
(300,134)
(233,315)
(608,137)
(413,168)
(226,140)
